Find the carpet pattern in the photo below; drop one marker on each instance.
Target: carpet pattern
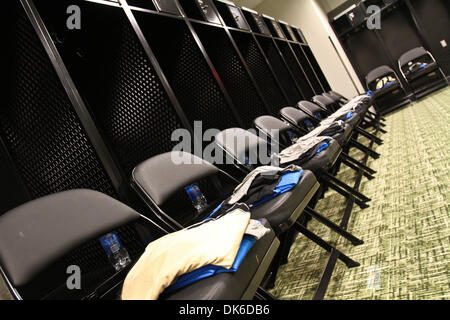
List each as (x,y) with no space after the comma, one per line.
(406,254)
(4,292)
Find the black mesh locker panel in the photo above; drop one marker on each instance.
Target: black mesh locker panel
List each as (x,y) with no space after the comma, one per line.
(115,77)
(51,150)
(260,70)
(46,141)
(13,192)
(297,72)
(191,9)
(319,73)
(232,72)
(187,71)
(307,67)
(280,69)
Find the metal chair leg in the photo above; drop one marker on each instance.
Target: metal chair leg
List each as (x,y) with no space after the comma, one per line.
(346,187)
(382,130)
(263,295)
(358,163)
(376,116)
(369,135)
(357,169)
(344,233)
(269,281)
(363,205)
(350,263)
(364,149)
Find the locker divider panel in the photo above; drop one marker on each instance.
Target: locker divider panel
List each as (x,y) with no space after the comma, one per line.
(261,71)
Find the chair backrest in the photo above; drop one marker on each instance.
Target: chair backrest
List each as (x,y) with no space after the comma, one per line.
(338,95)
(340,99)
(268,125)
(39,242)
(162,175)
(298,118)
(332,97)
(312,109)
(167,182)
(412,55)
(373,76)
(325,102)
(244,148)
(415,60)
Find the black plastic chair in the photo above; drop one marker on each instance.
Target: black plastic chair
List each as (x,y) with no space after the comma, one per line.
(320,162)
(39,239)
(172,205)
(340,132)
(387,87)
(159,181)
(421,71)
(377,80)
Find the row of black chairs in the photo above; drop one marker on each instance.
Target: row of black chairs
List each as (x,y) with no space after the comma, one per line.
(59,143)
(42,231)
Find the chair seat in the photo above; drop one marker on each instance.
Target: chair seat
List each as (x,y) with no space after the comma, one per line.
(388,89)
(284,210)
(343,137)
(422,72)
(324,160)
(240,285)
(354,121)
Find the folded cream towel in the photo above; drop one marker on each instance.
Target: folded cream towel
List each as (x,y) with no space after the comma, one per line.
(215,242)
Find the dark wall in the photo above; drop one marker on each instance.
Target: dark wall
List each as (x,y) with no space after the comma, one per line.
(434,15)
(364,52)
(398,32)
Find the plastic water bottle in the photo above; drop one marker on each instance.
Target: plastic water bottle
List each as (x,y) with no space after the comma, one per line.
(198,199)
(116,252)
(309,125)
(292,136)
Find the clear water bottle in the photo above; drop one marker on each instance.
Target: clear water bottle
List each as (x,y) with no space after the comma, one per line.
(198,199)
(292,136)
(309,125)
(116,252)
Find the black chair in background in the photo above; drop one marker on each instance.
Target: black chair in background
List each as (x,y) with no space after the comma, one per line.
(421,71)
(390,93)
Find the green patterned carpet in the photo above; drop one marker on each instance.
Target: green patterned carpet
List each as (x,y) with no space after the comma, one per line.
(406,254)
